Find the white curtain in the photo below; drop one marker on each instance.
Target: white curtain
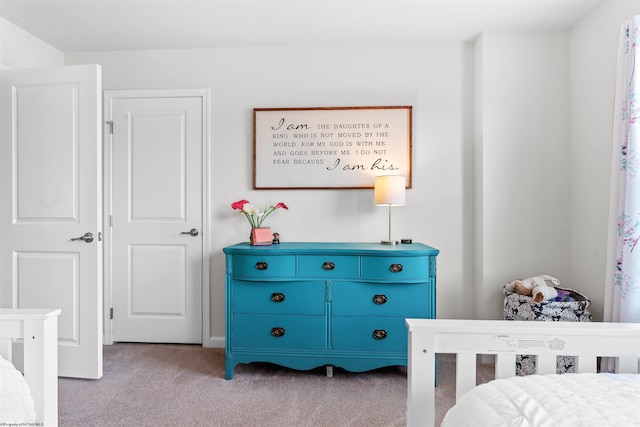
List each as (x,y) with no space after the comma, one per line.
(622,294)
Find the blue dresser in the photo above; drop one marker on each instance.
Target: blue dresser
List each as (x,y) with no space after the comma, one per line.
(304,305)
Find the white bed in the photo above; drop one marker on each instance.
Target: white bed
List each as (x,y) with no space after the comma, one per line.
(32,398)
(585,398)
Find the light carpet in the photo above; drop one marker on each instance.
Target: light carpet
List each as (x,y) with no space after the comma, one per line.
(184,385)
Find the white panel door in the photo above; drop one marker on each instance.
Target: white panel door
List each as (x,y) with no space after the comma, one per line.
(156,232)
(50,196)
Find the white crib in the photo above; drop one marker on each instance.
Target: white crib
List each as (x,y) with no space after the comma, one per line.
(504,339)
(39,330)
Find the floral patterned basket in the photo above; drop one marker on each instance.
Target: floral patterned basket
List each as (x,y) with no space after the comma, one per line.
(521,307)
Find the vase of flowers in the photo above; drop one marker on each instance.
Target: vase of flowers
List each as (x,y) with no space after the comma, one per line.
(259,235)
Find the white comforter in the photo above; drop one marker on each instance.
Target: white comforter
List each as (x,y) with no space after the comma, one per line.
(551,400)
(16,403)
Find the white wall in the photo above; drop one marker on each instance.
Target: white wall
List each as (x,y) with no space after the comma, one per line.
(522,162)
(594,45)
(542,187)
(19,49)
(511,148)
(428,77)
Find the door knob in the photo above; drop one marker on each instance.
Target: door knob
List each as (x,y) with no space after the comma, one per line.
(88,237)
(193,232)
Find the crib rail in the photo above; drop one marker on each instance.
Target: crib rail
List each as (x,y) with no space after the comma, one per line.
(39,330)
(586,341)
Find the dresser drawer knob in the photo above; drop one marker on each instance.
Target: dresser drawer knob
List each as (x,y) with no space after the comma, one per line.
(396,268)
(379,299)
(261,265)
(277,332)
(328,266)
(277,297)
(379,334)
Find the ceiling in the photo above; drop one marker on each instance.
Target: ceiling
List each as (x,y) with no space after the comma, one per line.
(99,25)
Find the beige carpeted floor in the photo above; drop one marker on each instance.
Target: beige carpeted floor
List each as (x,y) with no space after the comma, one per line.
(184,385)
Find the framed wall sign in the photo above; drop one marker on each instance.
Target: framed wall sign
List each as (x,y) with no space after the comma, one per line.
(330,147)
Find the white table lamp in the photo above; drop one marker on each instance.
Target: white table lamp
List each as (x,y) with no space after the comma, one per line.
(389,190)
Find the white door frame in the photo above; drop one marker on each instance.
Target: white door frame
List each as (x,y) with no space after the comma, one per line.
(109,96)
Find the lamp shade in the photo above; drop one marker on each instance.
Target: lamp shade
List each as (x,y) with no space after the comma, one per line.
(389,190)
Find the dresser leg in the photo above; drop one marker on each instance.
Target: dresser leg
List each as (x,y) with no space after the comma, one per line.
(228,367)
(329,371)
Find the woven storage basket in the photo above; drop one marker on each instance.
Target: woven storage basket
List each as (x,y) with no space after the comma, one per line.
(521,307)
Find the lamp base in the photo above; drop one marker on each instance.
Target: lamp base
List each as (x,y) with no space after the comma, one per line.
(388,242)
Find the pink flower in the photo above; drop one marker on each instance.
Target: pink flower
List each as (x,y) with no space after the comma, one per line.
(239,204)
(253,215)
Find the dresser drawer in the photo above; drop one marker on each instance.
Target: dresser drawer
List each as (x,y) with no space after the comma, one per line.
(263,266)
(296,297)
(380,299)
(309,304)
(329,266)
(359,334)
(395,268)
(278,332)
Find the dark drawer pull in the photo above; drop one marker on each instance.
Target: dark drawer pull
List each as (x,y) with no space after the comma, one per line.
(379,334)
(277,332)
(379,299)
(328,266)
(277,297)
(396,268)
(261,265)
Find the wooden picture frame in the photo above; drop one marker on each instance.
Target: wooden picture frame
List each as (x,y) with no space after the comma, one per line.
(330,147)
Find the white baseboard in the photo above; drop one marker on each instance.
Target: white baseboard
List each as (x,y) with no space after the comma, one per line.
(214,342)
